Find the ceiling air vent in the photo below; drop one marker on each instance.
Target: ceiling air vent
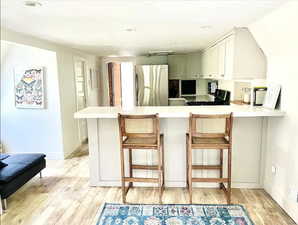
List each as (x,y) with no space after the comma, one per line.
(160,53)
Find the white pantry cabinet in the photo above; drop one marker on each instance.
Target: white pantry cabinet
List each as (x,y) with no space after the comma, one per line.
(234,56)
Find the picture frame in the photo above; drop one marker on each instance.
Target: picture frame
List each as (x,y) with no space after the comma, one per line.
(29,88)
(271,96)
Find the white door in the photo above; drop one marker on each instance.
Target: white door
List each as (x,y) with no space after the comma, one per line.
(79,66)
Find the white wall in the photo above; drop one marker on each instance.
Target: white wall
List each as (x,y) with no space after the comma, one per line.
(30,130)
(202,87)
(227,85)
(277,35)
(65,58)
(128,88)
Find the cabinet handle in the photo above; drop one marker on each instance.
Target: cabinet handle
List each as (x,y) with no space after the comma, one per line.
(222,75)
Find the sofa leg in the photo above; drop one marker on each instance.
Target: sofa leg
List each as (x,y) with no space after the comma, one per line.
(3,204)
(1,207)
(40,175)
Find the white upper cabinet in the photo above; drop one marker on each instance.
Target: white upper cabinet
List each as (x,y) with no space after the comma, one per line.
(204,64)
(229,57)
(235,56)
(177,66)
(221,48)
(186,66)
(210,63)
(213,65)
(193,68)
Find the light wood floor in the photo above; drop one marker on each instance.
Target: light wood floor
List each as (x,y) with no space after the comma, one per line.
(63,196)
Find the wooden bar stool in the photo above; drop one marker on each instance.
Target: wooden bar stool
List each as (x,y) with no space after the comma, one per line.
(210,141)
(141,132)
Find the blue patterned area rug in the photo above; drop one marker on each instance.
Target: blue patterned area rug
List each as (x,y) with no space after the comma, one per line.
(173,214)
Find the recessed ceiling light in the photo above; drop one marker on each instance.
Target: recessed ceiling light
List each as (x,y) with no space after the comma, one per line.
(130,29)
(206,27)
(32,3)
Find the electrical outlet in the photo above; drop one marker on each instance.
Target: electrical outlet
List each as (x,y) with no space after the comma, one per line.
(273,169)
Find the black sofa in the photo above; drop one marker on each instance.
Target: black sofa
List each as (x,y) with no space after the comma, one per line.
(17,170)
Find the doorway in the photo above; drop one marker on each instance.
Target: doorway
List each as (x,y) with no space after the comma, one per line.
(115,91)
(81,99)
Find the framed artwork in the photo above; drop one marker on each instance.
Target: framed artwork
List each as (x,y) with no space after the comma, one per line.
(29,87)
(271,96)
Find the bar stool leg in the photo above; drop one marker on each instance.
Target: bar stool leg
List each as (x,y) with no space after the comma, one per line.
(122,175)
(229,175)
(190,172)
(186,177)
(160,174)
(130,166)
(221,168)
(163,164)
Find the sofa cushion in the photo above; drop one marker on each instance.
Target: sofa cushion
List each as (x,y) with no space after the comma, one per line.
(18,164)
(2,164)
(27,159)
(3,156)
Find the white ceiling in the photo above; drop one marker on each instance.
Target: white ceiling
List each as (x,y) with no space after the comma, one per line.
(99,27)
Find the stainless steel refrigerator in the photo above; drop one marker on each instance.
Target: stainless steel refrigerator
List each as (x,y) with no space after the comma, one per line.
(152,85)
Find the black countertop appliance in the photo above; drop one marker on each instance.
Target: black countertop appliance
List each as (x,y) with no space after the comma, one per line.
(221,97)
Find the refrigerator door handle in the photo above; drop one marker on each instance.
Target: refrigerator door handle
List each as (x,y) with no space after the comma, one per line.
(137,89)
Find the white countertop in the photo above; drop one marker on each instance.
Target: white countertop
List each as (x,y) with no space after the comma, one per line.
(178,111)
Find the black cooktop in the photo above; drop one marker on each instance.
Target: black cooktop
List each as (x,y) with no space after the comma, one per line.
(221,97)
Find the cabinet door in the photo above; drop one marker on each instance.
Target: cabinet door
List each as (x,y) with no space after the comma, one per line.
(213,62)
(204,64)
(189,72)
(208,64)
(177,67)
(221,59)
(229,57)
(194,65)
(173,66)
(182,66)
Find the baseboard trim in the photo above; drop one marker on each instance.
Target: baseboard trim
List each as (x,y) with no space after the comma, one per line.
(291,208)
(112,183)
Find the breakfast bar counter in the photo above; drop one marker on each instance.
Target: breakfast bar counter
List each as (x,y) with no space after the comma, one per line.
(249,140)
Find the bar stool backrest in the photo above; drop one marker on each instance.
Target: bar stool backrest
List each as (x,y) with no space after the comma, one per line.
(139,126)
(224,120)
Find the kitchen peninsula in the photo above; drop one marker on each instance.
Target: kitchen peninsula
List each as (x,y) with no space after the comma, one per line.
(249,141)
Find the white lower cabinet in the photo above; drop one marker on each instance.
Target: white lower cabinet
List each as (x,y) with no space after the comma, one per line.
(104,150)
